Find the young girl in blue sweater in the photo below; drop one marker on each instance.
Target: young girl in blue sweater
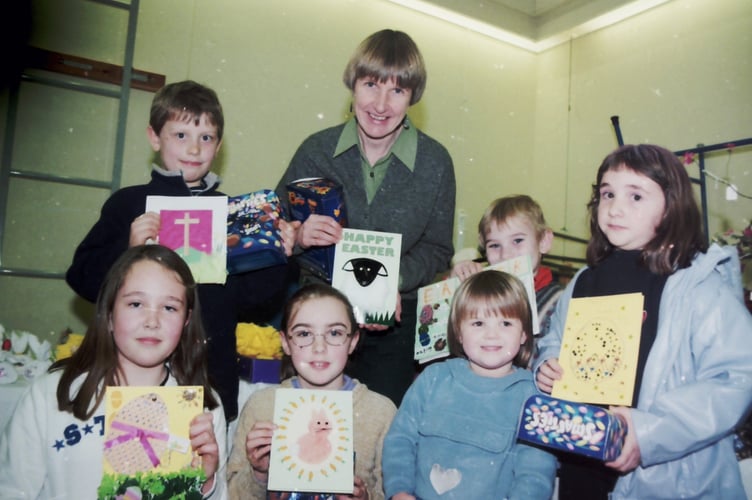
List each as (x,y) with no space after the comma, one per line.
(454,436)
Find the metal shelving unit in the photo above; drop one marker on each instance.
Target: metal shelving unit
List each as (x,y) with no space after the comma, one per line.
(76,74)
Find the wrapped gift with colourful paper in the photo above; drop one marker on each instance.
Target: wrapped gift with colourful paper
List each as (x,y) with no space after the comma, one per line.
(254,240)
(580,428)
(320,196)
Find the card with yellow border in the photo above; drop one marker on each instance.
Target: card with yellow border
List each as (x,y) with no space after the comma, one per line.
(599,349)
(147,440)
(312,447)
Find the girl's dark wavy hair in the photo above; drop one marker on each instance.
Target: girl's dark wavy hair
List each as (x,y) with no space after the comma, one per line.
(491,293)
(97,357)
(679,236)
(301,296)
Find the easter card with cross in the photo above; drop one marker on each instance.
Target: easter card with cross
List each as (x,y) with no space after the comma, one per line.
(196,229)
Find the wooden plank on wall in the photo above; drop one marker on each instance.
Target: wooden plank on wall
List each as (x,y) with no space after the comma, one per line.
(91,69)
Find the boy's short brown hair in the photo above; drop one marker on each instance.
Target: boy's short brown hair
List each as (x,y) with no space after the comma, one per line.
(502,209)
(388,54)
(186,101)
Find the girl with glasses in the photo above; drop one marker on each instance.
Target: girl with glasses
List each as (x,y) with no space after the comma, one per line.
(318,333)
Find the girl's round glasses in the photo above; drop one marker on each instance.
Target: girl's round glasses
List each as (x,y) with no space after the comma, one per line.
(304,338)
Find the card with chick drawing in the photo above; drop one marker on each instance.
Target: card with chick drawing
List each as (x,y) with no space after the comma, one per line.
(312,447)
(599,349)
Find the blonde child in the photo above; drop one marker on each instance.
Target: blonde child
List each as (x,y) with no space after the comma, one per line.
(318,334)
(454,435)
(510,227)
(146,332)
(694,368)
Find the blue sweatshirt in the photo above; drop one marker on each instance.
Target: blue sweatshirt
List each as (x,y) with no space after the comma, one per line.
(454,437)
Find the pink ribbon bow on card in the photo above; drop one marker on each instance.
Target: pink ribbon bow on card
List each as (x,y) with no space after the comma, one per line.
(133,432)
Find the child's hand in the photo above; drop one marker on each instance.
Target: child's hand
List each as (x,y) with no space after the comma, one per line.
(548,372)
(630,455)
(204,443)
(143,228)
(465,268)
(403,496)
(360,492)
(319,231)
(258,445)
(289,232)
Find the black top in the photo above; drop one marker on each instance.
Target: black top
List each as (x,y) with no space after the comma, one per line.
(622,272)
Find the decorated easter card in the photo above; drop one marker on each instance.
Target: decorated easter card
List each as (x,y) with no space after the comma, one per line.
(147,441)
(366,269)
(195,227)
(312,447)
(434,303)
(599,349)
(522,268)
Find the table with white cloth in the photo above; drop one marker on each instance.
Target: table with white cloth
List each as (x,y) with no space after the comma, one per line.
(9,396)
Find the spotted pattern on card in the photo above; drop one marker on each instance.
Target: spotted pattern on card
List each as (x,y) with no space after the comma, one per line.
(596,353)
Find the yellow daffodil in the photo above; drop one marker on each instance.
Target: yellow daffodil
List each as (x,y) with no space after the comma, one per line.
(67,348)
(261,342)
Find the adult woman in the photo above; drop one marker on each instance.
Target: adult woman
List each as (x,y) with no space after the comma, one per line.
(395,179)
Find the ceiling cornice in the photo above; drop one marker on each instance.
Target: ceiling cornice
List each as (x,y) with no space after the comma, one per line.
(533,26)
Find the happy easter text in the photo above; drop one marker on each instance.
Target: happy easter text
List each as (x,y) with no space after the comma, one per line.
(368,244)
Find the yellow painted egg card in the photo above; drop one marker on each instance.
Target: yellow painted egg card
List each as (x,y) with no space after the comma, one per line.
(147,438)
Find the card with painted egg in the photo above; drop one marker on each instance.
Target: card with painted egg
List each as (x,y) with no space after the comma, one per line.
(147,439)
(312,447)
(195,227)
(366,269)
(599,349)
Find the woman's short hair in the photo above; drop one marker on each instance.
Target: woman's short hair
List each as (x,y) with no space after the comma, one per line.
(388,54)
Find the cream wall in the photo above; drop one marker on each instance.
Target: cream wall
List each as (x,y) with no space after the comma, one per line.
(678,75)
(513,121)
